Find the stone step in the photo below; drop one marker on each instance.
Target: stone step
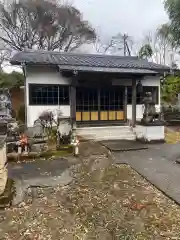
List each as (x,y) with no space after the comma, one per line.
(105,127)
(109,133)
(104,130)
(94,130)
(106,133)
(108,138)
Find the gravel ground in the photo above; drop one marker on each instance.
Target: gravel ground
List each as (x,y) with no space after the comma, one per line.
(105,201)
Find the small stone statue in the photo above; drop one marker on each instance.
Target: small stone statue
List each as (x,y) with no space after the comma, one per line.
(150,113)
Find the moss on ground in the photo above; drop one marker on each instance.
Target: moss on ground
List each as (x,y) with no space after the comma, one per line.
(57,153)
(32,156)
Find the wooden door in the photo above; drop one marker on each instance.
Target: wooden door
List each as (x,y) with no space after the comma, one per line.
(99,104)
(112,104)
(86,104)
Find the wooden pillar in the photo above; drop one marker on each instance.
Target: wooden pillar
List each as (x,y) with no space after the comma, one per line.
(73,102)
(125,103)
(99,104)
(26,95)
(133,102)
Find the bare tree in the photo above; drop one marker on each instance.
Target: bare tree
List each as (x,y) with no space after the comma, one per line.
(5,54)
(151,39)
(169,44)
(162,44)
(163,34)
(43,25)
(116,43)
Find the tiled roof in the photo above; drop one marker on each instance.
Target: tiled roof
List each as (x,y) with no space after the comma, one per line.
(68,60)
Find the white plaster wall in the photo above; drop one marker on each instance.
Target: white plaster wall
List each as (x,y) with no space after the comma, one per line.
(33,112)
(44,75)
(148,81)
(139,111)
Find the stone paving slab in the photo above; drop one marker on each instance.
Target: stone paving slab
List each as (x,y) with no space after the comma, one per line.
(29,170)
(40,173)
(23,185)
(123,145)
(157,164)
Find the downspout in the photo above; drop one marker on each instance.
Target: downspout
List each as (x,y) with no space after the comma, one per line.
(23,65)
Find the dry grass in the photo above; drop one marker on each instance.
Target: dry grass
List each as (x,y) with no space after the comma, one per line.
(172,136)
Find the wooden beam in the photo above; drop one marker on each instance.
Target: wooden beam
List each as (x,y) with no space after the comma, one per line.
(26,87)
(125,103)
(99,104)
(133,102)
(73,101)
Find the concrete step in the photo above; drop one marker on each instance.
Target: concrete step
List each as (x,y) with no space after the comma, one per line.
(106,133)
(105,127)
(98,138)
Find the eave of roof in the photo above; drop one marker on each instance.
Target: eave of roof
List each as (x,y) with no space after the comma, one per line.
(88,62)
(108,70)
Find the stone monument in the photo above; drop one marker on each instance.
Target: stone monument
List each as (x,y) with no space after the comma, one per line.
(150,128)
(150,115)
(5,104)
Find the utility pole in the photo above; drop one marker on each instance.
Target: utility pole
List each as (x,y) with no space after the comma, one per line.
(124,43)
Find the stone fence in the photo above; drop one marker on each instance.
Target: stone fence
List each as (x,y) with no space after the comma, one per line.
(3,164)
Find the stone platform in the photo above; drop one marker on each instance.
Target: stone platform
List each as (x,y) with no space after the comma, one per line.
(150,133)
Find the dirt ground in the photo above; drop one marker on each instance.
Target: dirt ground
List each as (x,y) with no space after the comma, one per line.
(105,201)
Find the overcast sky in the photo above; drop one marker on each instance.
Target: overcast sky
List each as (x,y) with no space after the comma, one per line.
(135,17)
